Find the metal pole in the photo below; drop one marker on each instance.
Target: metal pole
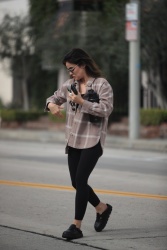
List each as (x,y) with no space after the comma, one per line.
(134,84)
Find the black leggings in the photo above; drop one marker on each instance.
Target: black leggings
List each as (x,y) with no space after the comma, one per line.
(81,163)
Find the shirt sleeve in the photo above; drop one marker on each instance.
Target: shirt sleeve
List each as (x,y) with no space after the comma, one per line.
(105,105)
(59,97)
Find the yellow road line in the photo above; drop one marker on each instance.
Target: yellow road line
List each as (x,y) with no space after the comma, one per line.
(67,188)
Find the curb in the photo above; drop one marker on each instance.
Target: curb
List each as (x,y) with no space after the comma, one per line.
(158,145)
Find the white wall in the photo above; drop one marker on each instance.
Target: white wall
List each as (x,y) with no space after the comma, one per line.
(11,7)
(5,83)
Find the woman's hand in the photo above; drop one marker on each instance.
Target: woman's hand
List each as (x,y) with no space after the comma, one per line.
(76,98)
(55,109)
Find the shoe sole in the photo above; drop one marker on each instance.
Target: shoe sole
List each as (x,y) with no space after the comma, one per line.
(68,237)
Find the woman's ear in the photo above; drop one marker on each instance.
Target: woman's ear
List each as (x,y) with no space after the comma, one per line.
(82,66)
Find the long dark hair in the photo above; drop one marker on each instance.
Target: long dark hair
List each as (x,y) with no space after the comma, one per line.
(81,58)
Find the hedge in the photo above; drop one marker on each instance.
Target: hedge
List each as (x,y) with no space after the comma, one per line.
(19,115)
(147,116)
(153,116)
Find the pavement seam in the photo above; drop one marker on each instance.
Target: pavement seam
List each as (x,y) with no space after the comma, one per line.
(137,238)
(53,237)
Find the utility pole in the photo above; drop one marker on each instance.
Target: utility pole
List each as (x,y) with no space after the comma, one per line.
(133,36)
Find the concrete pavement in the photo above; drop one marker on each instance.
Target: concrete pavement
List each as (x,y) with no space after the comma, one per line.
(17,239)
(159,145)
(34,218)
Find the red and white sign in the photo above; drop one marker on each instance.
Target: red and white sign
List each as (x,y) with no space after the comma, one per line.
(132,12)
(131,30)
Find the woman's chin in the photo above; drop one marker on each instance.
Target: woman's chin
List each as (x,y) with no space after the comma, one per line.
(76,78)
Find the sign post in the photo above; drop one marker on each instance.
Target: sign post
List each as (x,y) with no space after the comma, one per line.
(133,37)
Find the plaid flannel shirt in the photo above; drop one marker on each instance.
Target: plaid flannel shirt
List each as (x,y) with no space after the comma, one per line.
(80,132)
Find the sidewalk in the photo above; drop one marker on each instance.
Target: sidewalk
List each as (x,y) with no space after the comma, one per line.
(159,145)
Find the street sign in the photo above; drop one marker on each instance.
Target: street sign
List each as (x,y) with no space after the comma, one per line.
(132,12)
(131,30)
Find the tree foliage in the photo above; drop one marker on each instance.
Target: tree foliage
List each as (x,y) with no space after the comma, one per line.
(31,84)
(154,47)
(101,33)
(42,11)
(16,41)
(42,81)
(106,40)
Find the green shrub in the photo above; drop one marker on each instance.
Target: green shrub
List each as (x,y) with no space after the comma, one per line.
(19,115)
(164,115)
(8,115)
(153,116)
(147,116)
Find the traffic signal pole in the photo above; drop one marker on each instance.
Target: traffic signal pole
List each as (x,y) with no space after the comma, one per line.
(134,90)
(133,36)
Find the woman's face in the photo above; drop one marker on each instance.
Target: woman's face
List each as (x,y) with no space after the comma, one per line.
(76,72)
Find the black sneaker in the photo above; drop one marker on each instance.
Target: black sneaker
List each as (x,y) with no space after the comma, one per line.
(72,233)
(101,219)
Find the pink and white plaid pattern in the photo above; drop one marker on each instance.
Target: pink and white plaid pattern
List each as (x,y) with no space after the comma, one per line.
(80,132)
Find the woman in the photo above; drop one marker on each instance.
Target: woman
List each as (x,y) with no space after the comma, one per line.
(89,100)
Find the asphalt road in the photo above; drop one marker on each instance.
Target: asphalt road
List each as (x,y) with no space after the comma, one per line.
(36,199)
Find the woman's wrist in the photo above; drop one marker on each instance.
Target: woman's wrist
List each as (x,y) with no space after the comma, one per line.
(81,102)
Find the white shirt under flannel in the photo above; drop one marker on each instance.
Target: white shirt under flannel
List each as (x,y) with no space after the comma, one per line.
(80,132)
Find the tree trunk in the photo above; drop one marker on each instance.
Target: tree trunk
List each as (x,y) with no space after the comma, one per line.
(156,86)
(24,86)
(25,95)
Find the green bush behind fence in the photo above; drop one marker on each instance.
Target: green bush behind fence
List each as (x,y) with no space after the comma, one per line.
(19,116)
(147,116)
(153,116)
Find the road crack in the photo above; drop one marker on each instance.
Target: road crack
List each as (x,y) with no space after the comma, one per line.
(53,237)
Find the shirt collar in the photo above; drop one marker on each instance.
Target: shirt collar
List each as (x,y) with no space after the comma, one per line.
(90,81)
